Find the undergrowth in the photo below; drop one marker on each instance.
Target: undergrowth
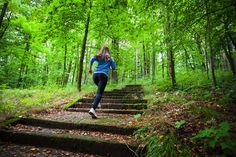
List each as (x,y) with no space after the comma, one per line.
(196,109)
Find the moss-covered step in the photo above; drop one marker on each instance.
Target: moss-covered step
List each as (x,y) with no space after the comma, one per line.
(112,106)
(106,100)
(77,126)
(116,111)
(70,142)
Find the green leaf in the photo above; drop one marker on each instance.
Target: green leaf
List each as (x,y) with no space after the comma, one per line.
(137,115)
(178,124)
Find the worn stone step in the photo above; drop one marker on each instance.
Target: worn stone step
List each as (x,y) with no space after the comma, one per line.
(124,94)
(134,86)
(70,142)
(116,111)
(112,106)
(107,100)
(119,96)
(76,126)
(128,90)
(9,149)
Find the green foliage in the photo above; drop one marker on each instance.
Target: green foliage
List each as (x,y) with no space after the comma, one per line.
(16,102)
(165,146)
(204,112)
(137,116)
(178,124)
(161,145)
(217,137)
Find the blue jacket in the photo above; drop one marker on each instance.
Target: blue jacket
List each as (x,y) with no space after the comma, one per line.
(103,66)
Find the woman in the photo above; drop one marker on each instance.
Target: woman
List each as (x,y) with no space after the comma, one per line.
(100,76)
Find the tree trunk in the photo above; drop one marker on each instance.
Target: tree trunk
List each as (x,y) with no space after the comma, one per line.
(153,64)
(74,74)
(148,61)
(83,52)
(198,41)
(170,53)
(3,29)
(171,64)
(115,45)
(186,57)
(3,12)
(144,61)
(86,70)
(162,66)
(64,68)
(68,73)
(209,30)
(230,57)
(23,65)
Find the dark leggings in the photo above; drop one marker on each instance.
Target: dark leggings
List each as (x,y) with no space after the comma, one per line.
(100,80)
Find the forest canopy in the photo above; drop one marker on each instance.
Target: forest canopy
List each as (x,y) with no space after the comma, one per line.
(50,42)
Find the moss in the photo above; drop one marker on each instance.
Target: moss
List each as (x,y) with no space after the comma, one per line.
(10,121)
(72,103)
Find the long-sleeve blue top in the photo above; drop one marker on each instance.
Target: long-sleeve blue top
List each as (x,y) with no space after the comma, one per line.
(103,66)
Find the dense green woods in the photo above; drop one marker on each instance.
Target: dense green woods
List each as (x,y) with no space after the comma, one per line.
(184,52)
(50,42)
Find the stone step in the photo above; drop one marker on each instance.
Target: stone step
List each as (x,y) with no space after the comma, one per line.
(119,96)
(112,106)
(9,149)
(123,94)
(76,126)
(115,111)
(71,142)
(134,86)
(120,101)
(128,90)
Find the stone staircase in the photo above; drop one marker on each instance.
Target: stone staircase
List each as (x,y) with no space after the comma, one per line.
(74,130)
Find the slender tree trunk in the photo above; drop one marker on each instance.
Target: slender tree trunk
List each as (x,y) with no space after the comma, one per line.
(144,61)
(171,63)
(115,45)
(68,73)
(198,41)
(153,64)
(170,53)
(85,70)
(209,30)
(74,74)
(148,61)
(186,57)
(23,65)
(3,12)
(230,57)
(77,63)
(162,66)
(123,73)
(206,57)
(83,52)
(135,65)
(64,67)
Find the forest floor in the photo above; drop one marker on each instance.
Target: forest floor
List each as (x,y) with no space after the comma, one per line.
(194,125)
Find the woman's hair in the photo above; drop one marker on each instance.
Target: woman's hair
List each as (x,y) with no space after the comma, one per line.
(104,54)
